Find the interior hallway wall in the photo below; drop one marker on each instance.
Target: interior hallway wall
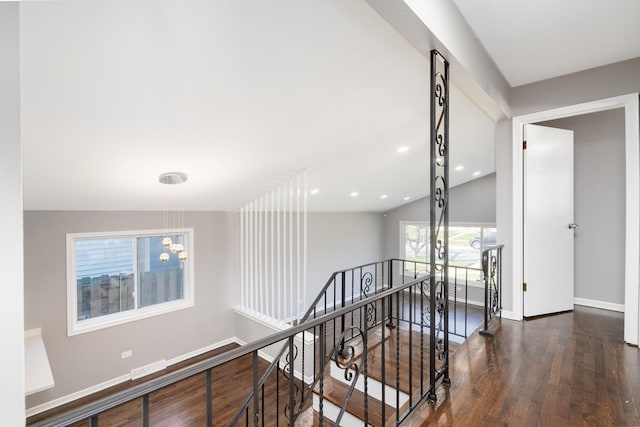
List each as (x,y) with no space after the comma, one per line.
(341,240)
(12,313)
(91,358)
(471,202)
(336,241)
(590,85)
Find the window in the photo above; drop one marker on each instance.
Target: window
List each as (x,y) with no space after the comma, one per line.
(114,278)
(466,243)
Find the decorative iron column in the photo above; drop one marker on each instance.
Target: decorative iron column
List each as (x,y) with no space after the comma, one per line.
(439,224)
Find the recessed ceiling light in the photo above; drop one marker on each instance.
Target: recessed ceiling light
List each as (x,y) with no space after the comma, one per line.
(384,196)
(407,198)
(403,149)
(476,173)
(459,167)
(315,191)
(354,194)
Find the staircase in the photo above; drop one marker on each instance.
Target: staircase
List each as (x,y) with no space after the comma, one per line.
(376,351)
(366,353)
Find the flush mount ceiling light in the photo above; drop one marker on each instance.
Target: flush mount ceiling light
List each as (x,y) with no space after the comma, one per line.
(176,218)
(173,178)
(403,149)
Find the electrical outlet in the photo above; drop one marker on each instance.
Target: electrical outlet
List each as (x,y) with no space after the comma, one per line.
(126,354)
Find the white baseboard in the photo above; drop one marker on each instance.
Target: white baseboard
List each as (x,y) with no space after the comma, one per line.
(508,314)
(599,304)
(34,410)
(77,395)
(198,352)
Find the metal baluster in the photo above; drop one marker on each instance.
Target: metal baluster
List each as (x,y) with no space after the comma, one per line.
(353,280)
(410,345)
(278,394)
(365,350)
(421,338)
(466,301)
(291,378)
(398,365)
(485,272)
(500,278)
(390,323)
(255,389)
(342,318)
(455,300)
(209,408)
(323,340)
(383,362)
(302,366)
(145,410)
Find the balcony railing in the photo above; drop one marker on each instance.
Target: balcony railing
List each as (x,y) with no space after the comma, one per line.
(492,274)
(367,339)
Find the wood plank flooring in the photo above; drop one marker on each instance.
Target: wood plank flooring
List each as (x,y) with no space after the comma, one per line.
(569,369)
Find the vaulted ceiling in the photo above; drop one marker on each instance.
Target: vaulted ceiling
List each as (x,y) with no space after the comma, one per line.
(243,94)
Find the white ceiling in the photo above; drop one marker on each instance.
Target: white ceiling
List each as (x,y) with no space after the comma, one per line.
(242,94)
(533,40)
(238,94)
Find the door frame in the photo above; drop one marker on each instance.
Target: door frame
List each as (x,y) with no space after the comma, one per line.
(631,105)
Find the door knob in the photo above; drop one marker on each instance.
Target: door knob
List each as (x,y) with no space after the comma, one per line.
(573,226)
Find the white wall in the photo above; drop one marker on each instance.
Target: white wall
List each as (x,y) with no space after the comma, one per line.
(599,195)
(11,316)
(504,214)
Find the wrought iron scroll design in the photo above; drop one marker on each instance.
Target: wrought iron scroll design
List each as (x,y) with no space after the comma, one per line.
(344,357)
(366,281)
(287,372)
(439,223)
(492,272)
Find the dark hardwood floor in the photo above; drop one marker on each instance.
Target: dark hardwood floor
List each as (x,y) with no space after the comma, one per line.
(570,369)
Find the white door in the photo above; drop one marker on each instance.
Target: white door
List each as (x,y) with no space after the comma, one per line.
(548,220)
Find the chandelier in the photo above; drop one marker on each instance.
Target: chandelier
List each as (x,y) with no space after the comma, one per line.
(176,218)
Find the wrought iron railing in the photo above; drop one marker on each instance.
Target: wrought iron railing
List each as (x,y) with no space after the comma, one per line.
(461,281)
(349,352)
(384,307)
(492,273)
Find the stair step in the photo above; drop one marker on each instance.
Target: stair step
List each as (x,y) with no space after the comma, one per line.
(374,388)
(325,421)
(392,377)
(335,393)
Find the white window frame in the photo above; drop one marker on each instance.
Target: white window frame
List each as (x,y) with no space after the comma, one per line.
(76,327)
(402,244)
